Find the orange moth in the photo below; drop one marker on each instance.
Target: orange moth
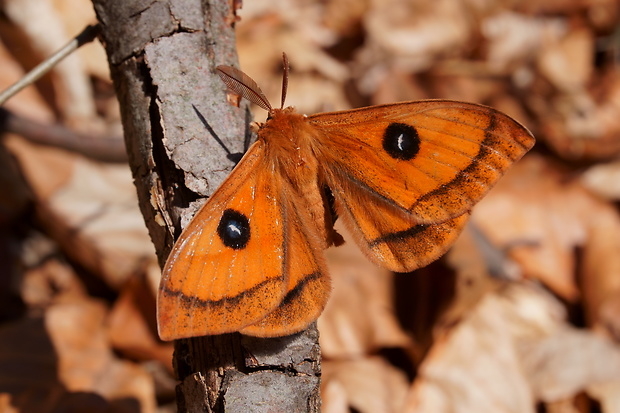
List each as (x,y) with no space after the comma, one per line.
(402,177)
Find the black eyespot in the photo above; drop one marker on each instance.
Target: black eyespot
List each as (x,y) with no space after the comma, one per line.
(234,229)
(401,141)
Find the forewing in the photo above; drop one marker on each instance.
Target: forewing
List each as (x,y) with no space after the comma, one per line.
(434,158)
(226,271)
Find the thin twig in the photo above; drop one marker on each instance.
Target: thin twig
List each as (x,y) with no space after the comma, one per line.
(87,35)
(101,148)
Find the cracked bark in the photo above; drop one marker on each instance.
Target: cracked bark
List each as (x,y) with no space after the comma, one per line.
(162,56)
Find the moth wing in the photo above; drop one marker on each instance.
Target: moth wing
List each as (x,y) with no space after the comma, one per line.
(391,237)
(404,176)
(434,159)
(226,271)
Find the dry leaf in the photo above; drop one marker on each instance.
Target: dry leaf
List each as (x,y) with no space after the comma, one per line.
(568,362)
(368,385)
(604,180)
(574,51)
(90,208)
(51,281)
(513,350)
(542,219)
(131,324)
(600,272)
(85,361)
(63,361)
(514,37)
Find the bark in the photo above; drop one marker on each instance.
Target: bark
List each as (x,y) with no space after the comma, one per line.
(162,57)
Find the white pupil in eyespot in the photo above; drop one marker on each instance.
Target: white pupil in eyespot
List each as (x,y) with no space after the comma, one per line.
(234,229)
(400,139)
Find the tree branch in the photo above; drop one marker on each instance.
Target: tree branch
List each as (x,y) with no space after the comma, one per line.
(162,57)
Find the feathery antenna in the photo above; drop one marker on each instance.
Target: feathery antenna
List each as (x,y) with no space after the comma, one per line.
(243,85)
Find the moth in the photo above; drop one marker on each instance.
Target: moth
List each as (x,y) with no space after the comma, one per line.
(402,177)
